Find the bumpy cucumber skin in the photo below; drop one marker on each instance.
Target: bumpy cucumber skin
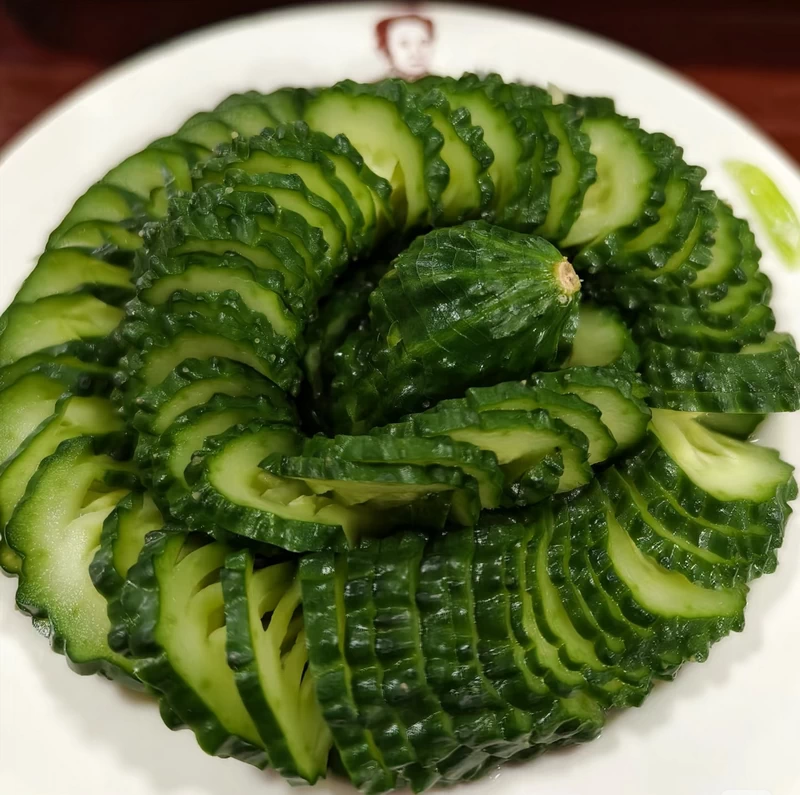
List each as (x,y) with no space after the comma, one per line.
(332,676)
(686,380)
(207,510)
(140,614)
(147,329)
(112,665)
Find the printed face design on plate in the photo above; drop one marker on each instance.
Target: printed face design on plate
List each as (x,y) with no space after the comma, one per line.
(407,43)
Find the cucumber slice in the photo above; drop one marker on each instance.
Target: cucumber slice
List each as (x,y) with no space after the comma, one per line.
(72,416)
(669,544)
(266,646)
(384,724)
(617,393)
(72,271)
(193,383)
(231,493)
(725,468)
(505,132)
(632,172)
(398,141)
(740,426)
(609,685)
(258,290)
(577,171)
(173,617)
(383,488)
(470,189)
(602,339)
(686,327)
(191,327)
(424,452)
(55,529)
(451,616)
(519,440)
(24,405)
(169,455)
(248,114)
(103,240)
(54,321)
(760,378)
(567,407)
(322,580)
(121,541)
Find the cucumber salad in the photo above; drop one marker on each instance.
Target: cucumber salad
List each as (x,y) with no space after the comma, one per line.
(394,431)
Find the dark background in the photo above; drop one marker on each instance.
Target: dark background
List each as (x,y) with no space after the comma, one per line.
(745,51)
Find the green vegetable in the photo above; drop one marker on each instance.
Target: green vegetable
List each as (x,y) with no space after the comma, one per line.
(439,325)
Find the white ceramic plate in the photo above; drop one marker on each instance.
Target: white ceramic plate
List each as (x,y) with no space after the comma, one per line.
(726,727)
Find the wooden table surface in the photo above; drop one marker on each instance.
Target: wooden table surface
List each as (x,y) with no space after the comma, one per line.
(745,51)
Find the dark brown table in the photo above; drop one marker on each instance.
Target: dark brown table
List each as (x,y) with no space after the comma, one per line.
(745,51)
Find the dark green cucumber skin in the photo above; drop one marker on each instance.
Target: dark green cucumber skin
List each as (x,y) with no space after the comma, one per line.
(331,675)
(139,617)
(411,356)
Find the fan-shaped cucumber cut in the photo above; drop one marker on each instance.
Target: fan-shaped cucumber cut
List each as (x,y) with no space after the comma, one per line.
(685,618)
(686,327)
(632,171)
(504,131)
(72,416)
(735,531)
(519,439)
(220,219)
(261,291)
(193,383)
(566,407)
(173,612)
(760,378)
(608,684)
(470,189)
(482,720)
(53,321)
(266,646)
(121,540)
(617,393)
(67,270)
(725,468)
(169,455)
(201,326)
(385,488)
(669,544)
(516,655)
(231,493)
(602,339)
(294,150)
(382,721)
(576,172)
(322,578)
(397,140)
(425,452)
(55,530)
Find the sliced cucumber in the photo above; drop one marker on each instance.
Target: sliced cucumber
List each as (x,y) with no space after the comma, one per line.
(266,645)
(602,339)
(174,621)
(397,139)
(725,468)
(617,393)
(55,530)
(53,321)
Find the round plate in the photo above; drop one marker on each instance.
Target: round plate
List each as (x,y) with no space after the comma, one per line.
(726,727)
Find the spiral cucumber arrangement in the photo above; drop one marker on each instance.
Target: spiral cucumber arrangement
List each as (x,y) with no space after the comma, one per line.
(398,429)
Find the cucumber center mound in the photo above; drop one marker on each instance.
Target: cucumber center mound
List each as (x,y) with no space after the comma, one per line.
(311,429)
